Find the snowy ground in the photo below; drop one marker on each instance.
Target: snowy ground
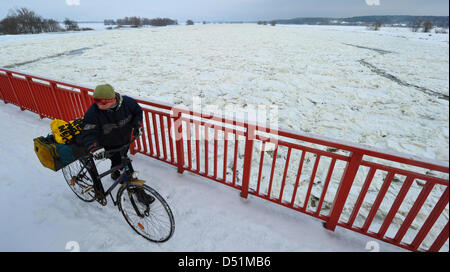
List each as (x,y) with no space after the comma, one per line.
(40,213)
(385,89)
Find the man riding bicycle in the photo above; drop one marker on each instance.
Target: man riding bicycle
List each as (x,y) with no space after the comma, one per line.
(109,123)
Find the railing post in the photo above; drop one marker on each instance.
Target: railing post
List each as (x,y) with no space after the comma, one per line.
(178,128)
(53,86)
(9,75)
(250,135)
(133,149)
(440,240)
(29,82)
(342,192)
(3,97)
(84,99)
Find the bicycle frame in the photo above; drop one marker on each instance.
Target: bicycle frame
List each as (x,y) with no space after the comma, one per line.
(96,178)
(89,164)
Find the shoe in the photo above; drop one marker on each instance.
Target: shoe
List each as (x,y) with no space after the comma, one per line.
(143,197)
(115,175)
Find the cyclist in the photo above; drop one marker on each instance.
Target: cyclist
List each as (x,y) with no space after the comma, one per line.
(109,123)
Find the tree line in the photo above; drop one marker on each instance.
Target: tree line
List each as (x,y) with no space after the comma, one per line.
(23,20)
(387,20)
(272,23)
(137,21)
(26,21)
(425,25)
(416,26)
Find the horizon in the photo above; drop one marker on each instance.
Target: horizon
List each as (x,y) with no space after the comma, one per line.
(224,10)
(251,21)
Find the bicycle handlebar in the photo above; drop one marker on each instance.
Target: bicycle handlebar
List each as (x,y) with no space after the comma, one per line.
(109,153)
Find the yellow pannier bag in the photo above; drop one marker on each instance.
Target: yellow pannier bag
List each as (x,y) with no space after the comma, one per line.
(47,152)
(55,156)
(65,132)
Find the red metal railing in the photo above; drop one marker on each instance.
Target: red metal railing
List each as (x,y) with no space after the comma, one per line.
(343,184)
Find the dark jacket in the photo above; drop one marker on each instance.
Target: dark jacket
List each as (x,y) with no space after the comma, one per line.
(111,128)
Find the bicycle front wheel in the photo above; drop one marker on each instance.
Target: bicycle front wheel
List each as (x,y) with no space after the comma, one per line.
(154,222)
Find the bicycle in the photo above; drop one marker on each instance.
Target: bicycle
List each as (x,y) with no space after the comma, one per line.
(154,221)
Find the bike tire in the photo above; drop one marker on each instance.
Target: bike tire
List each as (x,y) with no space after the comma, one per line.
(80,184)
(158,226)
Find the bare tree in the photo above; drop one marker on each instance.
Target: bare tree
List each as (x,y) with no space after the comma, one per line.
(51,25)
(273,23)
(109,22)
(30,21)
(71,25)
(23,20)
(9,25)
(375,26)
(189,22)
(416,25)
(135,21)
(162,22)
(427,26)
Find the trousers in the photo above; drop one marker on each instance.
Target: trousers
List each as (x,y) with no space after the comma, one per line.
(116,160)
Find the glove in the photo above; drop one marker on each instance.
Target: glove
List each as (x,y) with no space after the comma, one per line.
(98,153)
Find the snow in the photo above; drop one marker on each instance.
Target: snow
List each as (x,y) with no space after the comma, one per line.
(367,87)
(397,32)
(41,213)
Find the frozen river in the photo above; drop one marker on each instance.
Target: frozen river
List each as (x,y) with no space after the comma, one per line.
(387,89)
(320,78)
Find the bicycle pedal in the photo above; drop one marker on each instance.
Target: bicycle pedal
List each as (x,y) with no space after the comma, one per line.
(87,189)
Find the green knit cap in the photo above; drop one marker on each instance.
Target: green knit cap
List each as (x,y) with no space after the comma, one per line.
(104,91)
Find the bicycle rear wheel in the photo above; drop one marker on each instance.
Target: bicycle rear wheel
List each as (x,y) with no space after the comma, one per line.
(156,224)
(79,180)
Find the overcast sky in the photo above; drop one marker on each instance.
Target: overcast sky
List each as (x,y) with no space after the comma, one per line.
(217,10)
